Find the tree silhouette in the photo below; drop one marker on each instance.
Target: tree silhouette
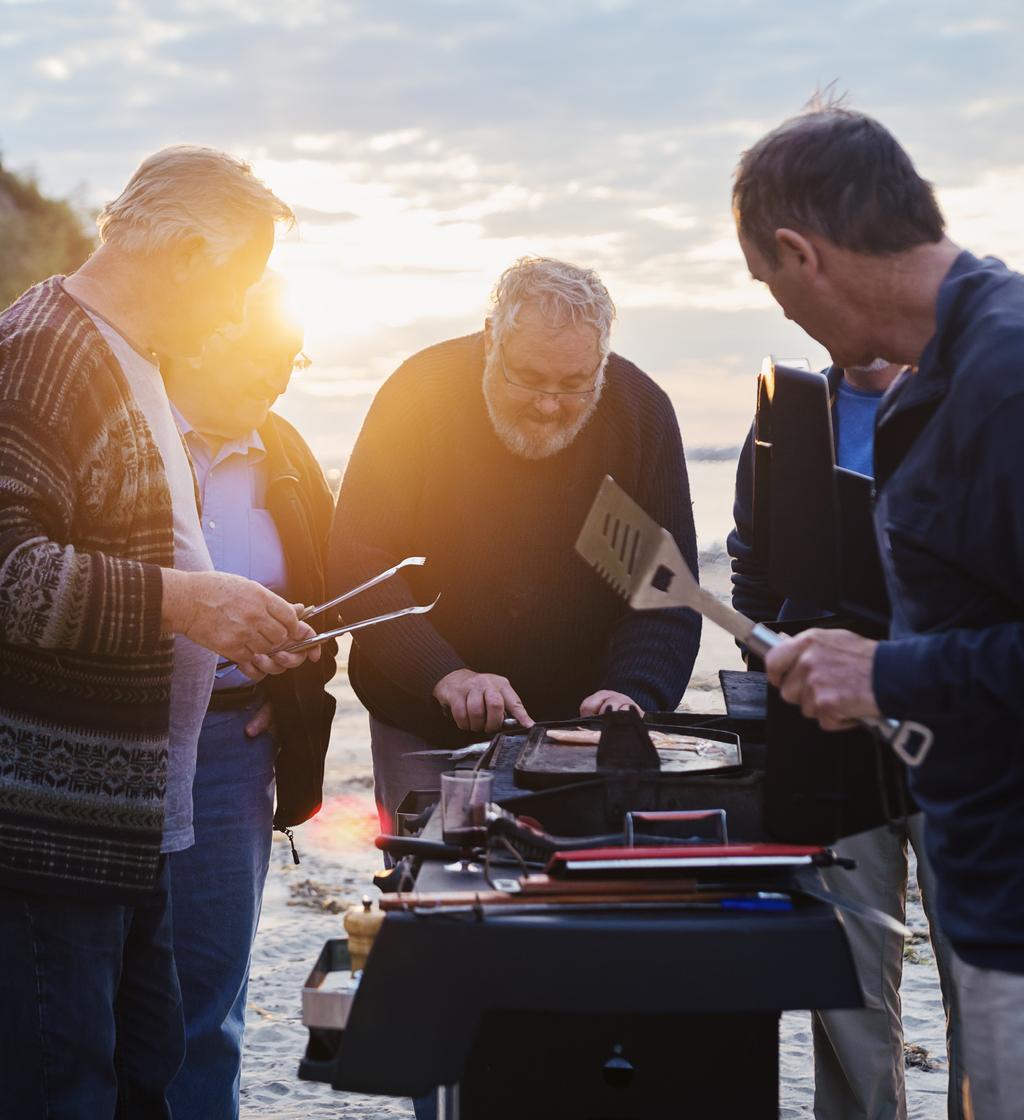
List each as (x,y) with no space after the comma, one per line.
(39,236)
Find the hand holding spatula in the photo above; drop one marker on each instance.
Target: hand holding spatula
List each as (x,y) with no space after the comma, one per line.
(642,562)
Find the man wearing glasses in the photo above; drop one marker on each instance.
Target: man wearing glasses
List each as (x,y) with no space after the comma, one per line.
(266,512)
(483,454)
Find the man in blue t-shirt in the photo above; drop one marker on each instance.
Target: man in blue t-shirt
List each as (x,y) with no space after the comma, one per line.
(855,394)
(858,1055)
(858,395)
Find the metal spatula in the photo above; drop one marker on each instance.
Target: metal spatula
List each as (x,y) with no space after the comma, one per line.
(642,562)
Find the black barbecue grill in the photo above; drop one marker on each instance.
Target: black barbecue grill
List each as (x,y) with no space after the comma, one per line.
(621,1012)
(585,799)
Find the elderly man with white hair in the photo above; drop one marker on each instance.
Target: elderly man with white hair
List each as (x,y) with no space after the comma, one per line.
(484,454)
(111,620)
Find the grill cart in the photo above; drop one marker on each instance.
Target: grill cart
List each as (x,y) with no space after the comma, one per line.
(587,991)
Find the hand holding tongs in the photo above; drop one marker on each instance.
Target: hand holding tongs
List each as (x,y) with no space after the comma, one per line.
(225,667)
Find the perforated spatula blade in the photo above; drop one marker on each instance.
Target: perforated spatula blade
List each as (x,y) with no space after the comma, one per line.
(626,546)
(642,561)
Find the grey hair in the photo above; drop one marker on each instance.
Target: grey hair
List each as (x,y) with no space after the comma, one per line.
(564,293)
(187,190)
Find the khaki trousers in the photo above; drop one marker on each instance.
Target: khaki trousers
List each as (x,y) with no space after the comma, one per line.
(858,1055)
(991,1007)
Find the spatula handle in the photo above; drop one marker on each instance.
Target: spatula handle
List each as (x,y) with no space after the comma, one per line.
(761,640)
(910,740)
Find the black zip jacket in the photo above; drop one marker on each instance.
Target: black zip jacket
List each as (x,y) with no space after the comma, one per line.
(302,507)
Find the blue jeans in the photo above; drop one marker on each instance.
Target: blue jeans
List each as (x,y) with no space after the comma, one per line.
(217,891)
(90,1012)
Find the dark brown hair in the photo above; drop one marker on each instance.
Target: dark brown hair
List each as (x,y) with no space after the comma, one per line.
(839,174)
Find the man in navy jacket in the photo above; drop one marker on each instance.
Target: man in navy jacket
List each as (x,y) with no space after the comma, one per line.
(833,217)
(858,1054)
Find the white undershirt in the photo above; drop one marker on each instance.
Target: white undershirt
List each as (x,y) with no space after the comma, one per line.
(192,678)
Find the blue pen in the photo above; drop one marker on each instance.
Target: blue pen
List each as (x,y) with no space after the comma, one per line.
(777,903)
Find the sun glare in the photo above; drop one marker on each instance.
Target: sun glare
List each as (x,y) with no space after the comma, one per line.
(314,296)
(346,822)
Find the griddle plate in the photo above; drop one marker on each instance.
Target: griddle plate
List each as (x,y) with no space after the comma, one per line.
(542,757)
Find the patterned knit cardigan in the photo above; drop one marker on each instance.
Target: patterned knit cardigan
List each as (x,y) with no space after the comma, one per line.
(85,526)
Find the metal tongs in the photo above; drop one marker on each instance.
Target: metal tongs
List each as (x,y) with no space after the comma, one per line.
(225,667)
(642,562)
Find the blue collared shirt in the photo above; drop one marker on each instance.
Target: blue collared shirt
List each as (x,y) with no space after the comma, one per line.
(240,532)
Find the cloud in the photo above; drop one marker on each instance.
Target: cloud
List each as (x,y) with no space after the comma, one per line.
(53,68)
(427,143)
(315,217)
(961,28)
(976,214)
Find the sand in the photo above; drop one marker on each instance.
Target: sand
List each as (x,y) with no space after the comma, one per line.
(338,860)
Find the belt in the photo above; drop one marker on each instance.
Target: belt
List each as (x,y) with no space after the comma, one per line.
(234,699)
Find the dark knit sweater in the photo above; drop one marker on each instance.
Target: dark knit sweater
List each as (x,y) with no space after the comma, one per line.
(428,476)
(85,526)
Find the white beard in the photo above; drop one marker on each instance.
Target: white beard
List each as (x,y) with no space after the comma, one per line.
(526,444)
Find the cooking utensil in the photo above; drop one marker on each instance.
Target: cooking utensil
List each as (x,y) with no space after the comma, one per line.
(545,761)
(812,888)
(319,639)
(474,750)
(642,562)
(409,561)
(225,667)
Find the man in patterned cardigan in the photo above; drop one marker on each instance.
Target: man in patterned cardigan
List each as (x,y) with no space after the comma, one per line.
(111,619)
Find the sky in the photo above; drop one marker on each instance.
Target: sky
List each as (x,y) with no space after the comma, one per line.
(426,144)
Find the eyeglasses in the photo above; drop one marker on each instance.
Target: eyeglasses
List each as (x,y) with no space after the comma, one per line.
(568,395)
(262,362)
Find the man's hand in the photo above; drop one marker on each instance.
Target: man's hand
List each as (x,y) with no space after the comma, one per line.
(827,674)
(273,664)
(479,701)
(605,699)
(235,617)
(262,721)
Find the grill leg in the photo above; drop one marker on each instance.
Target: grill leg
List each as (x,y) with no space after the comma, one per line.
(448,1102)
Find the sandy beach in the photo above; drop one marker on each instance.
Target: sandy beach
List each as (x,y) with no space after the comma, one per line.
(301,910)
